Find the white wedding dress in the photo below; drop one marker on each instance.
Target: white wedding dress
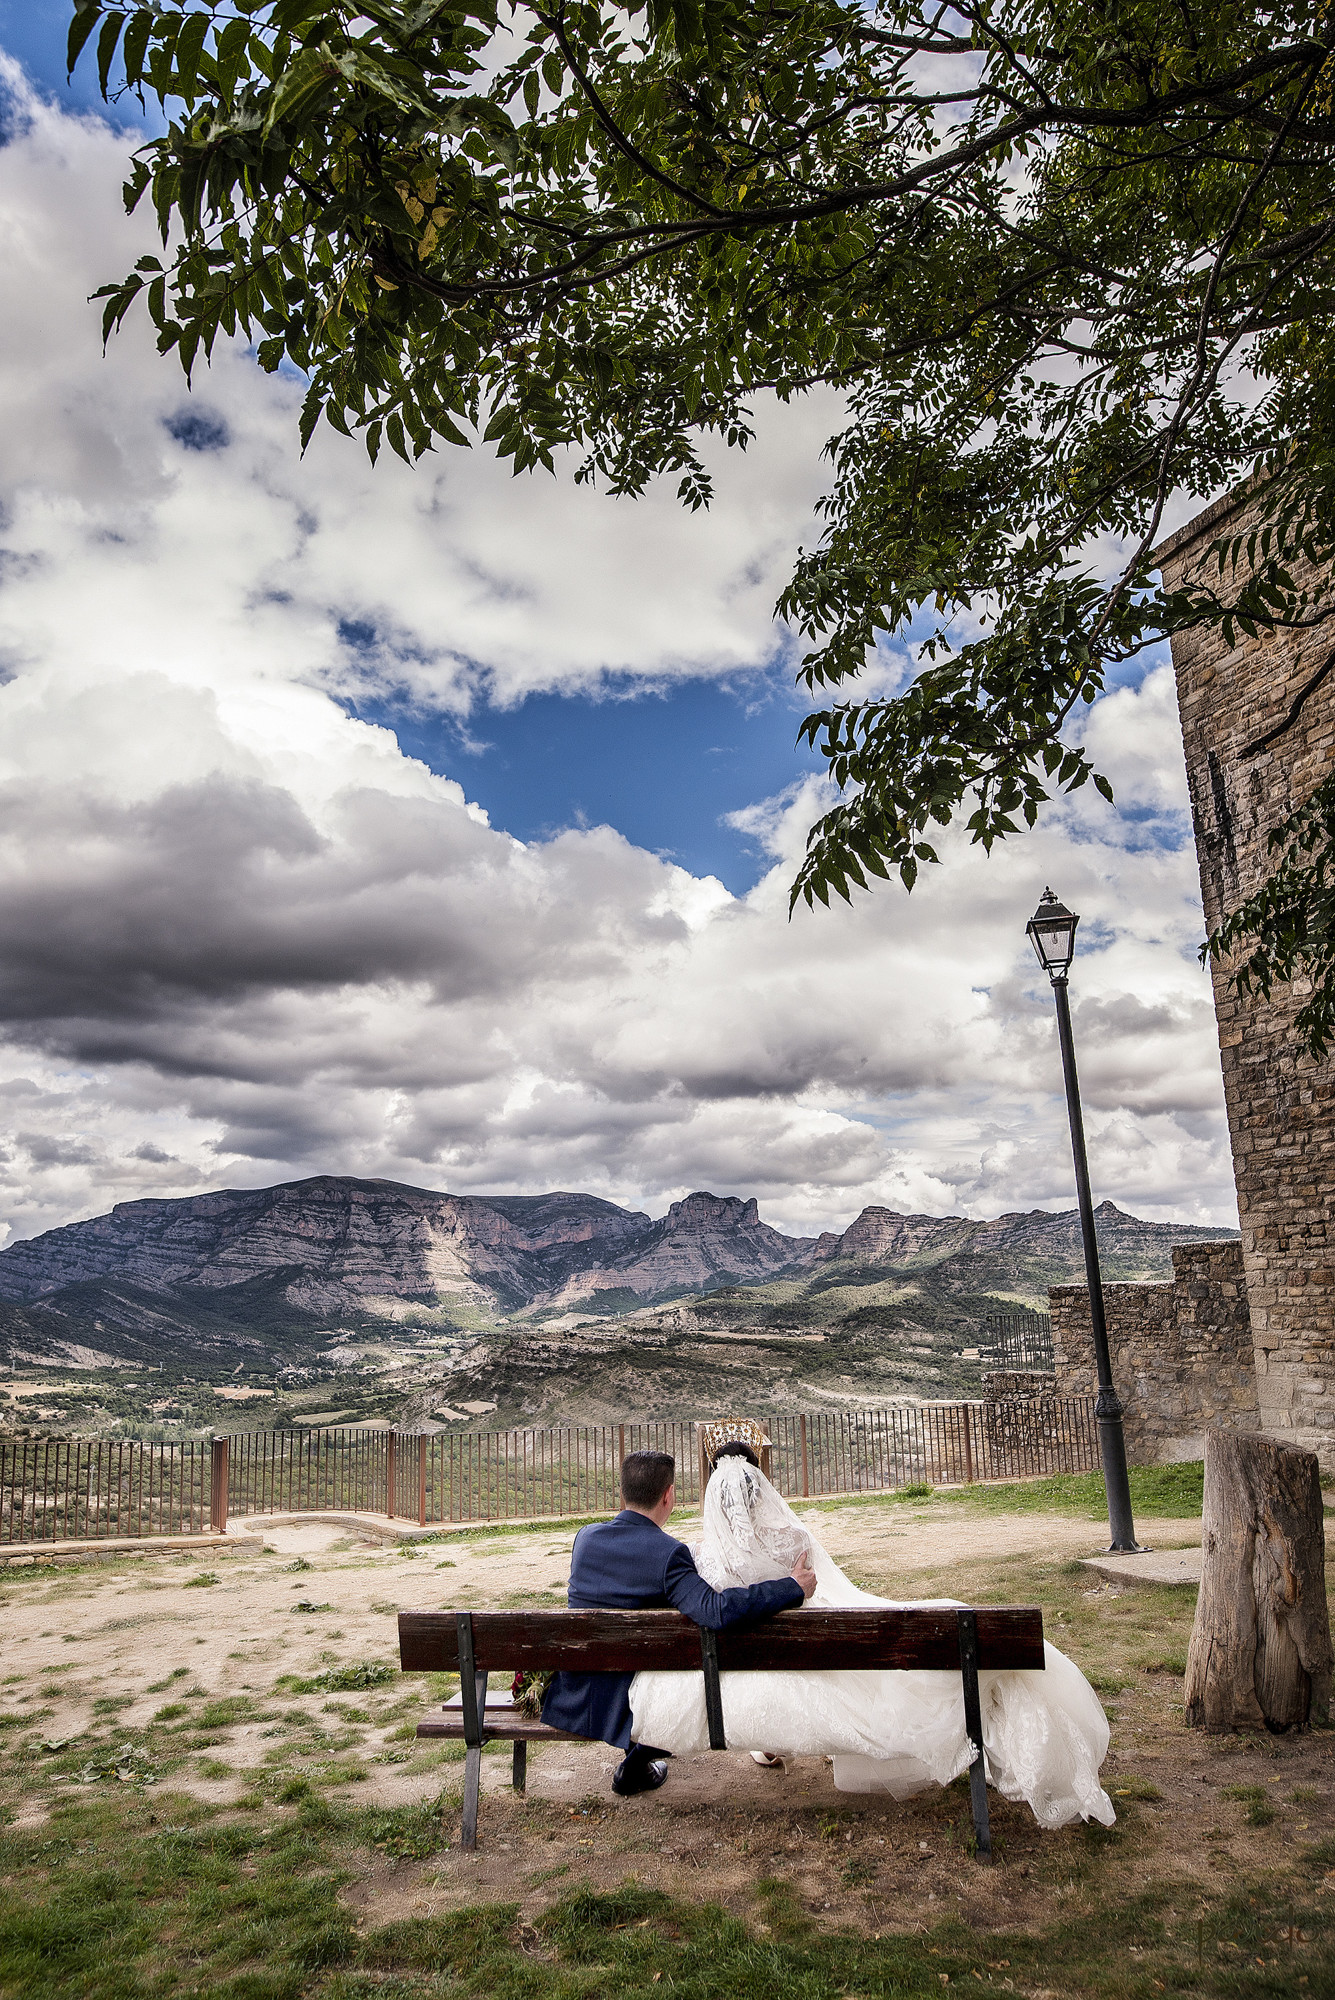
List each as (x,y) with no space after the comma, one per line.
(1044,1734)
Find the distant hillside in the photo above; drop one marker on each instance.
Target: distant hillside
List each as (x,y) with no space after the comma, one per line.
(336,1245)
(896,1305)
(289,1269)
(1022,1253)
(551,1302)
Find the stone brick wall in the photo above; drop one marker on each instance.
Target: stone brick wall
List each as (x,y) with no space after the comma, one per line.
(1181,1352)
(1281,1105)
(1004,1385)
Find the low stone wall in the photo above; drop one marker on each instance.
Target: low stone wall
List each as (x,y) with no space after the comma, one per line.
(1181,1352)
(1004,1385)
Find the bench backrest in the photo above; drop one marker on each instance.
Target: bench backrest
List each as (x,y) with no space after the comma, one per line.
(625,1641)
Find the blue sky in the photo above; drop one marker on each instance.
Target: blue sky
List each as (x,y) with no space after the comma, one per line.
(665,762)
(36,31)
(663,769)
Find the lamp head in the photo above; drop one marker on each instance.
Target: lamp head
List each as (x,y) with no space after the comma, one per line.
(1051,931)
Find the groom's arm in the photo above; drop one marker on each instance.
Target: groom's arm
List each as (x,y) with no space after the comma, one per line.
(686,1590)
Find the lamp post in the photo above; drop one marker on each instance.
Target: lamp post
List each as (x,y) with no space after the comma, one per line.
(1051,931)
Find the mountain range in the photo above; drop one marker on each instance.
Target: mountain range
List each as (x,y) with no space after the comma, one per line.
(285,1271)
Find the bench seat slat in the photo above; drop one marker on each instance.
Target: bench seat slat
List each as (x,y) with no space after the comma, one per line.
(626,1641)
(507,1727)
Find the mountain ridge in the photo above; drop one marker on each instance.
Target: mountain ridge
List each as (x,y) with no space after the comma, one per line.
(286,1270)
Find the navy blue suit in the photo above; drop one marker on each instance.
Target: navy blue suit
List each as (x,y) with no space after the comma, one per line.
(629,1564)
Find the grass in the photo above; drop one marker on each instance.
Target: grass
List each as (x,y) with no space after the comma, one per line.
(343,1680)
(1139,1789)
(1167,1663)
(126,1898)
(541,1524)
(1172,1492)
(133,1890)
(1260,1811)
(1162,1491)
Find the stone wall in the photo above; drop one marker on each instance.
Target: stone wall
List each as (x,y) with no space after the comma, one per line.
(1004,1385)
(1181,1352)
(1281,1105)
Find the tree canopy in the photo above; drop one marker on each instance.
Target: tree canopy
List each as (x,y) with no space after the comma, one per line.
(1060,261)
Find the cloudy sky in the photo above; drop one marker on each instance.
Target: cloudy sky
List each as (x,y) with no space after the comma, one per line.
(434,825)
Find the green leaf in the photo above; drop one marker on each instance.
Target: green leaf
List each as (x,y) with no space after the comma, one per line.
(312,75)
(134,44)
(106,49)
(189,47)
(82,22)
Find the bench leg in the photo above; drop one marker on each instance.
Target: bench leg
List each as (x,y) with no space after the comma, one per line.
(472,1785)
(713,1688)
(973,1729)
(982,1826)
(520,1779)
(473,1694)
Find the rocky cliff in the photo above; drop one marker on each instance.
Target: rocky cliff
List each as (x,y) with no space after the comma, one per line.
(1030,1247)
(703,1241)
(344,1246)
(339,1244)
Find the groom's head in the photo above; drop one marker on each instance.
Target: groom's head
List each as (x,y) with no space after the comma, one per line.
(647,1479)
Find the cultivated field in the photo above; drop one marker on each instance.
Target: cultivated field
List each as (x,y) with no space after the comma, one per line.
(212,1785)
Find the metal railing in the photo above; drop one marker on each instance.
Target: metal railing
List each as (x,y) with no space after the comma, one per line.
(1021,1340)
(71,1489)
(526,1474)
(58,1490)
(336,1468)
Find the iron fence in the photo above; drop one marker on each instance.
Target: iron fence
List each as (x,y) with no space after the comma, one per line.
(58,1489)
(72,1489)
(1021,1340)
(335,1468)
(531,1473)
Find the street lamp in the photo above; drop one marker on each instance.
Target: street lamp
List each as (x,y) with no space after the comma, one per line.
(1051,931)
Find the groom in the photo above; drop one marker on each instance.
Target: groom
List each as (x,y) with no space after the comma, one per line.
(629,1564)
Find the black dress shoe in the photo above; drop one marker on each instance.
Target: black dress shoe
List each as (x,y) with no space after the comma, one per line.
(639,1774)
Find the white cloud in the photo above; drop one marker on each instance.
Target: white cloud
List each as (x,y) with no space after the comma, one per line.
(247,938)
(247,558)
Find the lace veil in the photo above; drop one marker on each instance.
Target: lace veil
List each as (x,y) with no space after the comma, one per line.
(752,1535)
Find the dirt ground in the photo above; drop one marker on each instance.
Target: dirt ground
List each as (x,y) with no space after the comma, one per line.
(194,1649)
(119,1629)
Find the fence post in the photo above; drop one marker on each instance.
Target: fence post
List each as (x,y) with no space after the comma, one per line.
(968,1446)
(621,1444)
(806,1476)
(390,1456)
(421,1481)
(218,1487)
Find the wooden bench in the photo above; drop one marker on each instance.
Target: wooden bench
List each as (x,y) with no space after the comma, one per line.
(474,1644)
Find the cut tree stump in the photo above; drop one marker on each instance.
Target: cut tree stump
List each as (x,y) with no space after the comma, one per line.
(1260,1654)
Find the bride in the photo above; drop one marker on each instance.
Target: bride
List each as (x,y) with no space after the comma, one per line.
(1044,1734)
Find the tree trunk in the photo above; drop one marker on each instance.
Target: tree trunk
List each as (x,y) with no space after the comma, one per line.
(1260,1647)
